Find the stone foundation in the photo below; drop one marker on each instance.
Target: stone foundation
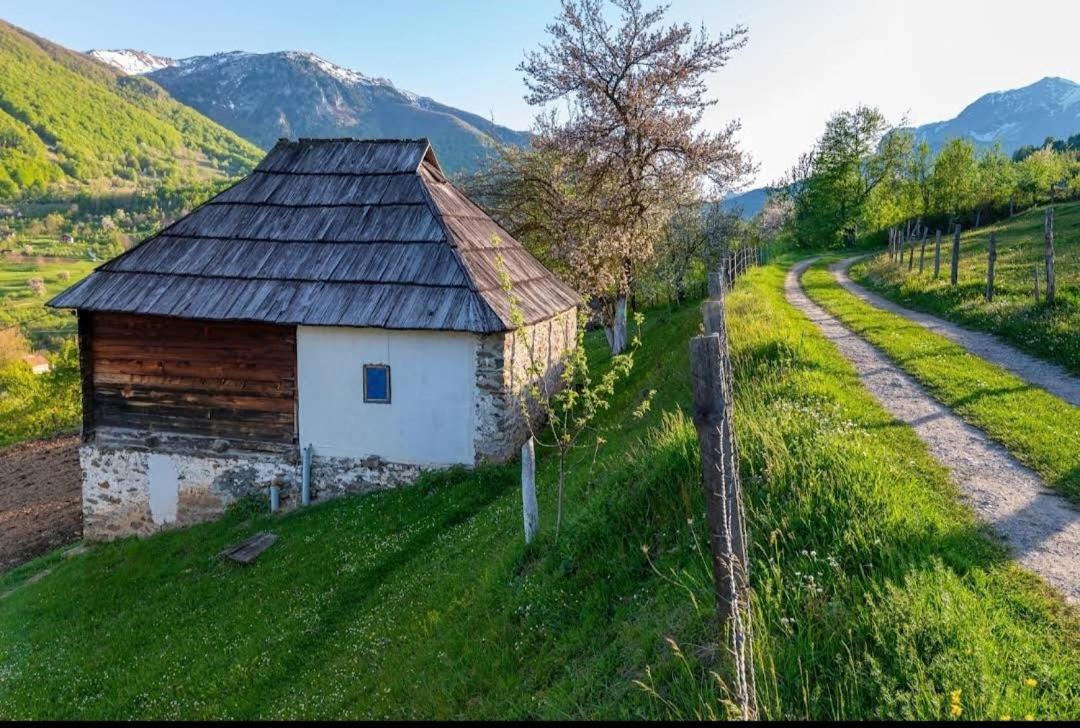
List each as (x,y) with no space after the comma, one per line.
(138,492)
(504,368)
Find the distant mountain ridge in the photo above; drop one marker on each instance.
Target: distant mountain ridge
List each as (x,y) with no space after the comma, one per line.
(267,96)
(1013,118)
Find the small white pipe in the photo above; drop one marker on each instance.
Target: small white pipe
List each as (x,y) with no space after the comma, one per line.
(305,490)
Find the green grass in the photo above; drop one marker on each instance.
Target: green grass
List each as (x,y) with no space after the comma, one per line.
(1038,428)
(19,305)
(1051,332)
(877,594)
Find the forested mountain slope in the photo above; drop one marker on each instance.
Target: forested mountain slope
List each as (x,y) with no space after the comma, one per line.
(68,122)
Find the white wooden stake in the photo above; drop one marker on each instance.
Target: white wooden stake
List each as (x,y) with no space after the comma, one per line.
(530,510)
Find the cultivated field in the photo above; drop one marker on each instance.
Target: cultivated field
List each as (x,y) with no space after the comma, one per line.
(40,498)
(20,305)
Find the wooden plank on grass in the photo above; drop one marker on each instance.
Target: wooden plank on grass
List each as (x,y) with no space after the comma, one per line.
(250,548)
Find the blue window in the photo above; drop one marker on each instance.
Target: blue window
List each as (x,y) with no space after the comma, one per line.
(377,383)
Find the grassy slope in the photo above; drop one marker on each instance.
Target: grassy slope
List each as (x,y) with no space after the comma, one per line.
(64,118)
(877,593)
(1050,332)
(1039,429)
(21,305)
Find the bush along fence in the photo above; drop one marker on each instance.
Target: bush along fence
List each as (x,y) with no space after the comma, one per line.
(732,263)
(901,242)
(710,368)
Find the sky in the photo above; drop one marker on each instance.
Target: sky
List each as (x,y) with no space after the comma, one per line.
(923,60)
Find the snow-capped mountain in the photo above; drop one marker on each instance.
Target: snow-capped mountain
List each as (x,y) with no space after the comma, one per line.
(1050,107)
(266,96)
(130,61)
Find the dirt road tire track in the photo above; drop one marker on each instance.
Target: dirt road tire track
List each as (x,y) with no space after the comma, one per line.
(1039,527)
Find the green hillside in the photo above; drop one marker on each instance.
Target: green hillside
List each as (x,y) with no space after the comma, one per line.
(68,122)
(1051,332)
(877,593)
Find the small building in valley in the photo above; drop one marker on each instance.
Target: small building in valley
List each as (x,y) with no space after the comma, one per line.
(38,363)
(344,296)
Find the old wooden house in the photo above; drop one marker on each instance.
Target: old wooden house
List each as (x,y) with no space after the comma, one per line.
(344,296)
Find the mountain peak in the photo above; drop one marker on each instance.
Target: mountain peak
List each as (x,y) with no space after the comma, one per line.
(296,93)
(131,61)
(1014,117)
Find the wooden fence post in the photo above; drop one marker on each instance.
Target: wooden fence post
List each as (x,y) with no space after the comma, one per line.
(991,258)
(955,256)
(1035,269)
(1048,234)
(530,510)
(716,284)
(911,255)
(937,254)
(710,367)
(922,251)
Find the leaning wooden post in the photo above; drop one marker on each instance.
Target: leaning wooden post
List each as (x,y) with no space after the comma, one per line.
(937,254)
(1035,270)
(1048,235)
(991,258)
(955,271)
(709,367)
(911,255)
(922,251)
(530,510)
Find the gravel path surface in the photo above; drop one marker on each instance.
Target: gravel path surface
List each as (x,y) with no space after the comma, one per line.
(1039,526)
(1054,379)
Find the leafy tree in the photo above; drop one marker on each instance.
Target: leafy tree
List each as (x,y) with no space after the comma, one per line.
(954,178)
(1037,172)
(13,345)
(858,152)
(40,405)
(635,93)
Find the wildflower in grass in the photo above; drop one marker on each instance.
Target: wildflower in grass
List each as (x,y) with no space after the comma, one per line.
(955,709)
(1006,717)
(1031,682)
(1029,716)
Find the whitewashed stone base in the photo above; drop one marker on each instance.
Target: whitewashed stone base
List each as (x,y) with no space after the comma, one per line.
(138,492)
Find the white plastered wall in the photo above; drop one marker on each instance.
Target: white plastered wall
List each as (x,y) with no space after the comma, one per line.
(429,420)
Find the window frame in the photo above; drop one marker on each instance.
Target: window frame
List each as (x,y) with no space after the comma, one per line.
(370,400)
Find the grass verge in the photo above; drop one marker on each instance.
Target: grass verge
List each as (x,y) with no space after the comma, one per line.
(1039,429)
(1050,332)
(877,594)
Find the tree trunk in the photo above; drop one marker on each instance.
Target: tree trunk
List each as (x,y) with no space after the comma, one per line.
(991,258)
(955,271)
(1048,234)
(530,510)
(562,482)
(618,334)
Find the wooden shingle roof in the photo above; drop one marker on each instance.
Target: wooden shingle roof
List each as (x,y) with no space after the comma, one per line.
(334,232)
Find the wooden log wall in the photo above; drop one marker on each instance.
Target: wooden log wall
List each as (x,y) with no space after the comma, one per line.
(228,380)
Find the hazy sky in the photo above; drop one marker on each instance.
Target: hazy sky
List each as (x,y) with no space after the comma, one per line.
(920,58)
